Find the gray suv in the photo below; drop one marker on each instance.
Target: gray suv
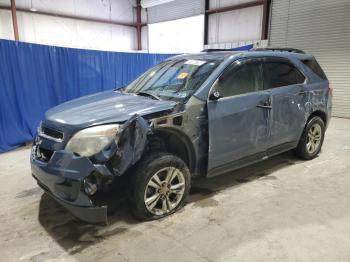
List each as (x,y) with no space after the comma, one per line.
(200,114)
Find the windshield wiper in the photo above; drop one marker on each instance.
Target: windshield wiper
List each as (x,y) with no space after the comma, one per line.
(141,93)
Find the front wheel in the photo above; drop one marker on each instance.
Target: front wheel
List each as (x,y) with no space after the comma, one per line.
(161,183)
(312,139)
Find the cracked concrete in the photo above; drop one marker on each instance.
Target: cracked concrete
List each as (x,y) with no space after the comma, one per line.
(283,209)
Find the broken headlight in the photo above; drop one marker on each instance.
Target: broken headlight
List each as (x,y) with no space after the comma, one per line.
(92,140)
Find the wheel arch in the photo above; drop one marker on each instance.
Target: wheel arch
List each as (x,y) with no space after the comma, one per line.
(321,114)
(175,142)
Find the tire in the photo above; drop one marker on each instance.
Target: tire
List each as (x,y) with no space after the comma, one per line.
(304,147)
(146,186)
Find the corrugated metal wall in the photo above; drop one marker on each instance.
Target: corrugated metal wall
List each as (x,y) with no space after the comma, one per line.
(321,27)
(58,31)
(234,26)
(183,35)
(175,10)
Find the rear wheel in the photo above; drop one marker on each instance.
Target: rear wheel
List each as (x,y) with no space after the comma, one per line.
(312,139)
(160,186)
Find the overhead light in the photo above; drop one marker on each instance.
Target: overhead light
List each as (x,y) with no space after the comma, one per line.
(151,3)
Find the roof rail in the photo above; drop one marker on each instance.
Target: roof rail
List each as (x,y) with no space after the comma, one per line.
(214,50)
(292,50)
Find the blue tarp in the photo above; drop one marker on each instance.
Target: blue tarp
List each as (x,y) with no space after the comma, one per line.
(34,78)
(243,48)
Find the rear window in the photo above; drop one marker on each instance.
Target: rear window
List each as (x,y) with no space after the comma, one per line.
(315,67)
(279,74)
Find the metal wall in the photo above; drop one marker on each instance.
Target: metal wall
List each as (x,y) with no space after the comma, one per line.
(183,35)
(51,30)
(228,29)
(234,26)
(175,10)
(321,27)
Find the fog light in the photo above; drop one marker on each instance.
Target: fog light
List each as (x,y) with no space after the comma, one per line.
(90,187)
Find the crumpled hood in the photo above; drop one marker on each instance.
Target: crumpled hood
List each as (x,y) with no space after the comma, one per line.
(105,107)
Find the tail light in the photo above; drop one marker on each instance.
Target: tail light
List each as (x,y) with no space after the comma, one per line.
(330,91)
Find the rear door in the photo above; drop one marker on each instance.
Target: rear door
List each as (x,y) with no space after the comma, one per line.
(286,84)
(238,121)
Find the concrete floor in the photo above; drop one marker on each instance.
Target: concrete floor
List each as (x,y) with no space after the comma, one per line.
(282,209)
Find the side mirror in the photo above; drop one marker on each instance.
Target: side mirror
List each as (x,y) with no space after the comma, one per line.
(215,94)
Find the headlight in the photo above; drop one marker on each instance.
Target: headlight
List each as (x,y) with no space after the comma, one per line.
(92,140)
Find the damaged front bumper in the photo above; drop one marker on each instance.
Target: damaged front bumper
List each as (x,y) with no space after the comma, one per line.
(63,178)
(73,180)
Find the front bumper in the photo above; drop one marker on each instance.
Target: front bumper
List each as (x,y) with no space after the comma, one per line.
(62,177)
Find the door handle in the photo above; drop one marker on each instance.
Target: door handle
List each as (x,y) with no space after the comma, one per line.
(264,106)
(302,92)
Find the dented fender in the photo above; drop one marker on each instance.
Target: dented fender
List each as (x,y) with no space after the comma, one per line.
(127,148)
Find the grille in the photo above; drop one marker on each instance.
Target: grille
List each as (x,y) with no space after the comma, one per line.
(42,154)
(51,133)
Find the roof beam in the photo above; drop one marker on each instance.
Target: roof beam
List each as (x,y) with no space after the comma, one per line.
(83,18)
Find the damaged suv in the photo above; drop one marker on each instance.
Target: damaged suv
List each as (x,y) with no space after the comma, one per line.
(201,114)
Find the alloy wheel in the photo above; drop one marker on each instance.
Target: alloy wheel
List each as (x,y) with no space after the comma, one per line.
(314,138)
(164,190)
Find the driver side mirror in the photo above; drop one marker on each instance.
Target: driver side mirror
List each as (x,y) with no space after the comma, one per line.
(215,94)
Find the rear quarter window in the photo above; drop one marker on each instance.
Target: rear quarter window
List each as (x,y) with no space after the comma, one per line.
(315,67)
(278,74)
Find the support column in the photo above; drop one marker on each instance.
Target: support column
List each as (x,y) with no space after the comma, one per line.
(14,19)
(265,20)
(138,25)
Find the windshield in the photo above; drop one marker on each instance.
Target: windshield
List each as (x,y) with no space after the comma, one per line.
(173,79)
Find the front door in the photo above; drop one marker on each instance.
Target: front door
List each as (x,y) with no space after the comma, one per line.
(238,116)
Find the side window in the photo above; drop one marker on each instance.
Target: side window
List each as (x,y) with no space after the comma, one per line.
(240,79)
(279,74)
(315,67)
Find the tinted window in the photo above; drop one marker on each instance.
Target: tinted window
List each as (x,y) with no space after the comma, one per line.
(315,67)
(279,74)
(238,79)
